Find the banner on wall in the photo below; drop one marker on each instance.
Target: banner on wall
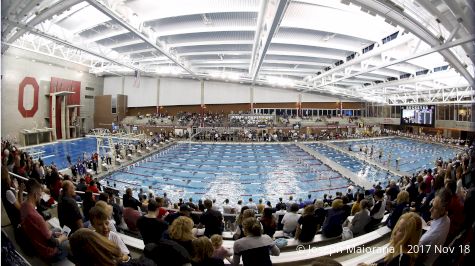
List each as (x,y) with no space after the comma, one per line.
(28,81)
(57,85)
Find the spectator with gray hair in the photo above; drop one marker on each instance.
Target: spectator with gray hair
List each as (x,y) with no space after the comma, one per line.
(439,227)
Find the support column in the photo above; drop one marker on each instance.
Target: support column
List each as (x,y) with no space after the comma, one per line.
(299,105)
(203,106)
(77,127)
(66,119)
(63,118)
(122,89)
(251,98)
(53,116)
(158,96)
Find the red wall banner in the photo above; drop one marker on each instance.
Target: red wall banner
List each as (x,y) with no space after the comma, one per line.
(21,92)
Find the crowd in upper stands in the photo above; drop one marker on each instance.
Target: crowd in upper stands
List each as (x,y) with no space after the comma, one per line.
(433,208)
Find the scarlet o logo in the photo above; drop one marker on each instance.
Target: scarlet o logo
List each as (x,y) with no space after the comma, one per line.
(28,81)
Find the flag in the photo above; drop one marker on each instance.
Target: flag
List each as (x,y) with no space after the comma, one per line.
(137,79)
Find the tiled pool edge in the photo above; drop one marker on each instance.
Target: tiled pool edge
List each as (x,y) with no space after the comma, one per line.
(337,167)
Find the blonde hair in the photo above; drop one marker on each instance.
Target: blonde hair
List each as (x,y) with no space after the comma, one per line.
(319,204)
(402,197)
(216,240)
(337,204)
(411,225)
(106,207)
(181,228)
(90,248)
(202,249)
(246,214)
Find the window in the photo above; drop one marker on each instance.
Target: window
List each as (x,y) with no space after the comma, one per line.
(390,37)
(369,48)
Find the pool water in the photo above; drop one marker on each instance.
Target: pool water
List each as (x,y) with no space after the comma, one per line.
(413,155)
(371,173)
(56,152)
(233,171)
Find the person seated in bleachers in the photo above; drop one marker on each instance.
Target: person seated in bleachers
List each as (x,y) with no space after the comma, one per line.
(251,205)
(356,205)
(203,253)
(361,218)
(255,248)
(181,232)
(269,222)
(92,248)
(290,220)
(402,206)
(219,251)
(100,223)
(455,211)
(245,213)
(11,199)
(68,210)
(81,186)
(377,212)
(404,238)
(392,190)
(289,203)
(260,207)
(109,211)
(131,217)
(184,211)
(308,225)
(48,245)
(439,227)
(191,204)
(334,220)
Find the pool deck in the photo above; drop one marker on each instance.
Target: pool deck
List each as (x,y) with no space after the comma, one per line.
(365,159)
(100,175)
(362,182)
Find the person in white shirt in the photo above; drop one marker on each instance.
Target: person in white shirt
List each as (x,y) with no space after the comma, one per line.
(290,202)
(290,220)
(252,205)
(100,223)
(227,208)
(439,228)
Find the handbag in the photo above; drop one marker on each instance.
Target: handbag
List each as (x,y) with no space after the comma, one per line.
(346,234)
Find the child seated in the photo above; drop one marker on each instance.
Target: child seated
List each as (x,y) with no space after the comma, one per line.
(220,252)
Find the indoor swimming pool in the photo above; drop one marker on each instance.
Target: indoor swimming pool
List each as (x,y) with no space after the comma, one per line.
(413,155)
(233,171)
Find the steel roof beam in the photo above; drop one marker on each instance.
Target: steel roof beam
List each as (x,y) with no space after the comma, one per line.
(438,48)
(108,12)
(66,43)
(270,16)
(376,51)
(385,9)
(42,16)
